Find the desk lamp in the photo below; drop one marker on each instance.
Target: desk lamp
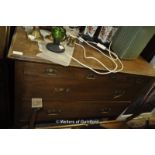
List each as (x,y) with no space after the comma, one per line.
(58,34)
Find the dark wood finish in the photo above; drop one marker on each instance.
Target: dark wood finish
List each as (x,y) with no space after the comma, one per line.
(145,101)
(4,96)
(4,39)
(72,92)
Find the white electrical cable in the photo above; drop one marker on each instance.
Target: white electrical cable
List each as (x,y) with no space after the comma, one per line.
(110,52)
(101,73)
(113,57)
(104,48)
(86,57)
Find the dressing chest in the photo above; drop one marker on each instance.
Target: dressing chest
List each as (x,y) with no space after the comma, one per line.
(71,92)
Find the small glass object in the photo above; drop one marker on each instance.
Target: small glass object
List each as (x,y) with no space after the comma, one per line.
(58,34)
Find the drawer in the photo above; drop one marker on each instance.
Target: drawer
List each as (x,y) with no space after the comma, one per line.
(76,84)
(70,92)
(51,72)
(111,88)
(64,89)
(73,110)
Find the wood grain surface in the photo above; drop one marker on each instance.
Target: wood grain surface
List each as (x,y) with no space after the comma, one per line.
(30,49)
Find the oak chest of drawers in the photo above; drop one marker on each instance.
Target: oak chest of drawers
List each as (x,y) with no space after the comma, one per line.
(71,92)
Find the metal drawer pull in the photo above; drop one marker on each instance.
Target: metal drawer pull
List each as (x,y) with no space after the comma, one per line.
(50,71)
(67,90)
(61,90)
(53,114)
(105,110)
(91,76)
(118,93)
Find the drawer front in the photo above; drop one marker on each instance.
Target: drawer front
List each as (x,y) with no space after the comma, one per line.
(68,83)
(73,110)
(74,90)
(53,71)
(47,71)
(63,89)
(69,92)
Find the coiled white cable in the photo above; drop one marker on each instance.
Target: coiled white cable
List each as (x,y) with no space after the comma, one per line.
(110,53)
(86,57)
(112,57)
(115,55)
(101,73)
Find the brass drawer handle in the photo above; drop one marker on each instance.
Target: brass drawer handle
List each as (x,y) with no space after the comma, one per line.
(50,71)
(91,76)
(105,110)
(53,114)
(61,90)
(118,93)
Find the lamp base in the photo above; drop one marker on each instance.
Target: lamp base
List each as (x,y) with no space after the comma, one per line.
(55,48)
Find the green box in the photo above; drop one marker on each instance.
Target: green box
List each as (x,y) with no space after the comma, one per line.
(129,41)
